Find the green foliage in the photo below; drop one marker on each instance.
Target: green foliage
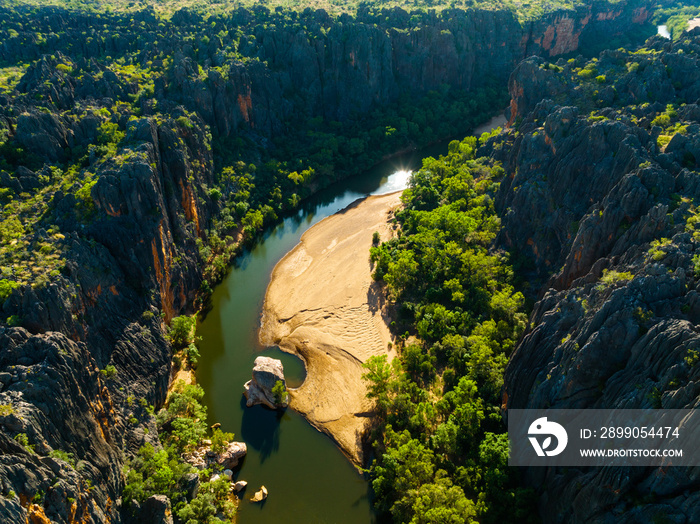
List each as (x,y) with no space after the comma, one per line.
(279,392)
(182,425)
(6,410)
(212,498)
(696,266)
(657,251)
(191,354)
(154,472)
(181,331)
(23,440)
(184,122)
(643,317)
(220,440)
(186,415)
(215,194)
(442,453)
(109,371)
(6,287)
(611,276)
(64,456)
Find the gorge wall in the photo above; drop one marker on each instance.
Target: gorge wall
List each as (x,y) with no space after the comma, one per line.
(264,71)
(600,195)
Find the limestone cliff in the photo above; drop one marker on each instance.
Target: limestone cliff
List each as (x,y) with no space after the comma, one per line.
(600,198)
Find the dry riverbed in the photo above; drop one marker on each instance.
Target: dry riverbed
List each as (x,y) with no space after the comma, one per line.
(323,306)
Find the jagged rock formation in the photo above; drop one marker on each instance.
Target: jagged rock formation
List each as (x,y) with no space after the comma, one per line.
(135,257)
(349,64)
(266,373)
(605,207)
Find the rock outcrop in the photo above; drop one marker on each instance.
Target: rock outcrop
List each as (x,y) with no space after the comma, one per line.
(228,459)
(259,495)
(603,207)
(266,374)
(350,64)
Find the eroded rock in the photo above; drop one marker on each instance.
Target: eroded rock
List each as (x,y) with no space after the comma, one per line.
(266,373)
(260,495)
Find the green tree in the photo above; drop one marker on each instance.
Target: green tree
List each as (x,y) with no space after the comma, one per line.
(279,392)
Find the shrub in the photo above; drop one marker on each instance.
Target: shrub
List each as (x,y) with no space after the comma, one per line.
(183,121)
(64,456)
(220,440)
(109,371)
(64,68)
(24,441)
(279,391)
(613,277)
(657,250)
(376,238)
(6,287)
(215,194)
(191,354)
(663,120)
(182,330)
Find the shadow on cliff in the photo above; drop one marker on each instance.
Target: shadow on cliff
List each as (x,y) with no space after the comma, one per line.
(260,429)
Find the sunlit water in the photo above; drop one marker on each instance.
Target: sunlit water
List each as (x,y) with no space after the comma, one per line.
(309,480)
(663,31)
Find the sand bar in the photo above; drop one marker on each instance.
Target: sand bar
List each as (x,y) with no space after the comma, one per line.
(323,305)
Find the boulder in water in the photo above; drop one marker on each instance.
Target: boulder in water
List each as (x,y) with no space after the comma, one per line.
(266,374)
(260,495)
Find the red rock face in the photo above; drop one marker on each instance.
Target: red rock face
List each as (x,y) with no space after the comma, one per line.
(561,34)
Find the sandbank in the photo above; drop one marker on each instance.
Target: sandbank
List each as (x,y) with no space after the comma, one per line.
(322,305)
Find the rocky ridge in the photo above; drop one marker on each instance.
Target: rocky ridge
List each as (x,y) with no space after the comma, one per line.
(601,197)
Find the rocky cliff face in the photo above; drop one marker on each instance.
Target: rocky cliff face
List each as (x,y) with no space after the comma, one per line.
(601,196)
(267,71)
(77,379)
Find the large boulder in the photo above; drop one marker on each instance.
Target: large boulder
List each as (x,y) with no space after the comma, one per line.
(230,458)
(266,373)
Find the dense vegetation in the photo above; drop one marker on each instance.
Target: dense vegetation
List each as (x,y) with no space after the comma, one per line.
(524,10)
(182,424)
(675,16)
(442,450)
(255,183)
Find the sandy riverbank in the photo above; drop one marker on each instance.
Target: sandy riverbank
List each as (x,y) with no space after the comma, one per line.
(323,305)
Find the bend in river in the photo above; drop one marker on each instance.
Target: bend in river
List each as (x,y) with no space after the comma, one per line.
(308,477)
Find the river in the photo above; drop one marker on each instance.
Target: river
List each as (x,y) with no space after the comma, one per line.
(309,480)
